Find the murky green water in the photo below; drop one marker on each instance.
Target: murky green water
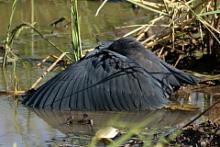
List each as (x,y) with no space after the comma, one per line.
(24,127)
(94,29)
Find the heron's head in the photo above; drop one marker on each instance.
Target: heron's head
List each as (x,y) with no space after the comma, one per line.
(126,46)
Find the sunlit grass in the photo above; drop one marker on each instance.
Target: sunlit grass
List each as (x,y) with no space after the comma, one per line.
(175,25)
(148,6)
(75,31)
(174,7)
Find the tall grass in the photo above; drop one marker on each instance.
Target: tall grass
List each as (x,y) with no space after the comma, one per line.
(75,31)
(175,24)
(12,33)
(201,11)
(8,50)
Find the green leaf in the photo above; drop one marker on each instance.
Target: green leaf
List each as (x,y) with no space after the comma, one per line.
(210,13)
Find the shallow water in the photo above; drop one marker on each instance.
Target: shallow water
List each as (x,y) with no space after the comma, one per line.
(26,127)
(94,29)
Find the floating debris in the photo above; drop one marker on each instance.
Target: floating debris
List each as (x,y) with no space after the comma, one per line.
(182,107)
(106,135)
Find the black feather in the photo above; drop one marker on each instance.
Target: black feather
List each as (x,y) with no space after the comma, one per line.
(121,76)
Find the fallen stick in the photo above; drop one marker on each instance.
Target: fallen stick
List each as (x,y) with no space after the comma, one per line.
(47,71)
(16,93)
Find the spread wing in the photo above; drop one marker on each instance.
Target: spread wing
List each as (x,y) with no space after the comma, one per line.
(101,81)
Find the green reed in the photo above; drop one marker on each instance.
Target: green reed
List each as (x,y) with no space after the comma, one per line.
(75,31)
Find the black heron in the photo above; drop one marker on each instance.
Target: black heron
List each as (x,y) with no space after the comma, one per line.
(117,76)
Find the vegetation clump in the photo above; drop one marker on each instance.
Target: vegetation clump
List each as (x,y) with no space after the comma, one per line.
(185,33)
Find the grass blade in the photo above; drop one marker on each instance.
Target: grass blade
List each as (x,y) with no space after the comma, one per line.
(75,32)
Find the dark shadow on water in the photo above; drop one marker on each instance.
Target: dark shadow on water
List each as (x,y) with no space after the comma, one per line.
(80,122)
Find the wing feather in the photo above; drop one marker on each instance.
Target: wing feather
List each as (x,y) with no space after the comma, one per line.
(102,81)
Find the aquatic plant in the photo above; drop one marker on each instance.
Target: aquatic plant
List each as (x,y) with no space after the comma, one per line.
(12,33)
(75,31)
(8,50)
